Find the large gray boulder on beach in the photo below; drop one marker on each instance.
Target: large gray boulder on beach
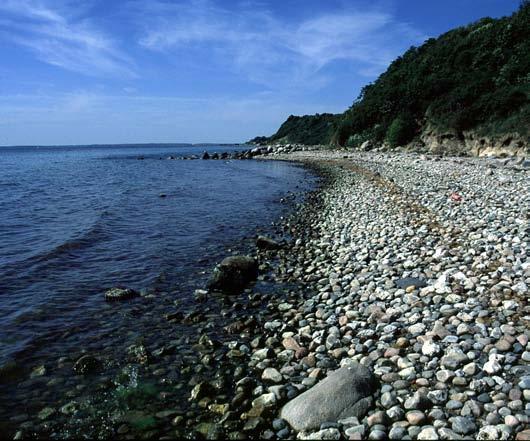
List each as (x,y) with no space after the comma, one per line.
(233,274)
(340,395)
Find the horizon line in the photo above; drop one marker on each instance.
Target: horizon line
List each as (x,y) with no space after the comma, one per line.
(128,144)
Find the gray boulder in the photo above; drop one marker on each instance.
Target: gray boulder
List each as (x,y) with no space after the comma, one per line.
(342,394)
(233,274)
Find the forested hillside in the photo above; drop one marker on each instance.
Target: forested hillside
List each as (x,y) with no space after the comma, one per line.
(307,129)
(471,83)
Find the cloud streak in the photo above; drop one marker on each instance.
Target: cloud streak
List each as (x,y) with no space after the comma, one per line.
(58,38)
(271,51)
(250,40)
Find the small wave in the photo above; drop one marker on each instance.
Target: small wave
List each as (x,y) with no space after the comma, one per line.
(97,232)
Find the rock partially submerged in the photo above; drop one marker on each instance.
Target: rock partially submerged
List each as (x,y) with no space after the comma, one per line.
(265,243)
(9,371)
(87,364)
(115,294)
(340,395)
(233,274)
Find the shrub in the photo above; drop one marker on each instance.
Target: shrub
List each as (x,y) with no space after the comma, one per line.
(401,131)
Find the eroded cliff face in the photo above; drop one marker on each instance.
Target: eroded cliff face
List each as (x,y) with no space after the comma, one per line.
(453,143)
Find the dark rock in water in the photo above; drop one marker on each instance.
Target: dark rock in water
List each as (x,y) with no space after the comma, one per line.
(215,156)
(175,316)
(193,317)
(205,155)
(235,327)
(114,294)
(265,243)
(410,281)
(334,398)
(200,295)
(224,155)
(233,274)
(201,390)
(165,350)
(209,430)
(162,195)
(9,371)
(87,364)
(138,353)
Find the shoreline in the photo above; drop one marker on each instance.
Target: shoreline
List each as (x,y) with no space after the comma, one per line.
(184,344)
(375,219)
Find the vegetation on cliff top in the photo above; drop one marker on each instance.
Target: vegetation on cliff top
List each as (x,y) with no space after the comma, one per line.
(307,129)
(475,77)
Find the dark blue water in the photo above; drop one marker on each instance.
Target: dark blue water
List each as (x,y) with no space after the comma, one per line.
(76,221)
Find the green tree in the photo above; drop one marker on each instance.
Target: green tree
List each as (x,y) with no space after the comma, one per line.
(401,130)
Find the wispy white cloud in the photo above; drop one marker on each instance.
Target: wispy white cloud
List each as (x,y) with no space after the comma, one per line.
(292,57)
(61,38)
(270,50)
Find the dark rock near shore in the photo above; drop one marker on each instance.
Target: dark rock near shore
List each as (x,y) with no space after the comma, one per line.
(233,274)
(411,281)
(114,294)
(265,243)
(334,398)
(205,155)
(138,353)
(87,364)
(177,315)
(9,371)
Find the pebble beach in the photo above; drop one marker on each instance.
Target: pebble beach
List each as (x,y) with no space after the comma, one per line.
(416,268)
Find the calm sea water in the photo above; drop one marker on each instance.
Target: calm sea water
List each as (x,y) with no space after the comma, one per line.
(78,220)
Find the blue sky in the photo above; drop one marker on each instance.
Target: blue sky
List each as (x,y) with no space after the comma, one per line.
(127,71)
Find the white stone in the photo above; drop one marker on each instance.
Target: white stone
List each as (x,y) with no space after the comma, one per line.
(416,329)
(326,434)
(266,400)
(440,286)
(520,288)
(430,348)
(428,433)
(271,374)
(492,366)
